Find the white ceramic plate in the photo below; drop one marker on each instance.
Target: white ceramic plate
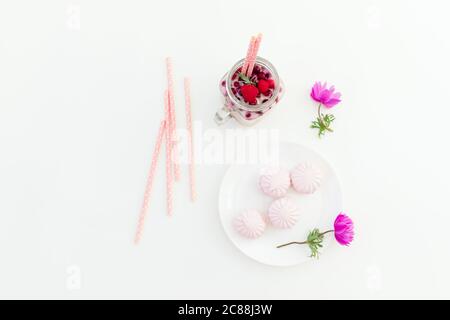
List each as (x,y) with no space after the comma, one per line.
(240,191)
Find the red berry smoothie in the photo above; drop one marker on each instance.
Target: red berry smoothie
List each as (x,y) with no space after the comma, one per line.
(248,98)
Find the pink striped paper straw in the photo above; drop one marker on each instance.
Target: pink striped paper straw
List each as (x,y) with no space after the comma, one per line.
(247,57)
(149,184)
(187,98)
(169,182)
(173,123)
(254,55)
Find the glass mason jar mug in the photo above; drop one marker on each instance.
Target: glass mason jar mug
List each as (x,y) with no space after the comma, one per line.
(234,104)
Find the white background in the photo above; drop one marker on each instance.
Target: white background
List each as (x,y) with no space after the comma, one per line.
(81,87)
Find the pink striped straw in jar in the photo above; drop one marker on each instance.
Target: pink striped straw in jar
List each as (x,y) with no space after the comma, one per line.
(254,54)
(248,56)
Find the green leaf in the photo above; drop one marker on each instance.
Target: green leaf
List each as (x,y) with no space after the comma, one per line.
(246,79)
(314,241)
(323,124)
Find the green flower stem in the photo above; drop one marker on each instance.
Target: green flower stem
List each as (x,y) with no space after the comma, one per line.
(321,119)
(323,122)
(303,242)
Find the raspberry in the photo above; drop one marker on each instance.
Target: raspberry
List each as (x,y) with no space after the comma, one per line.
(268,93)
(263,86)
(249,92)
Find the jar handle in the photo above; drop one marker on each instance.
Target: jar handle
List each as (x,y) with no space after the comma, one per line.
(222,115)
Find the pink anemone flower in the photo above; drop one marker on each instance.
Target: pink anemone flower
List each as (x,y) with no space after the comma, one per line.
(326,96)
(343,229)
